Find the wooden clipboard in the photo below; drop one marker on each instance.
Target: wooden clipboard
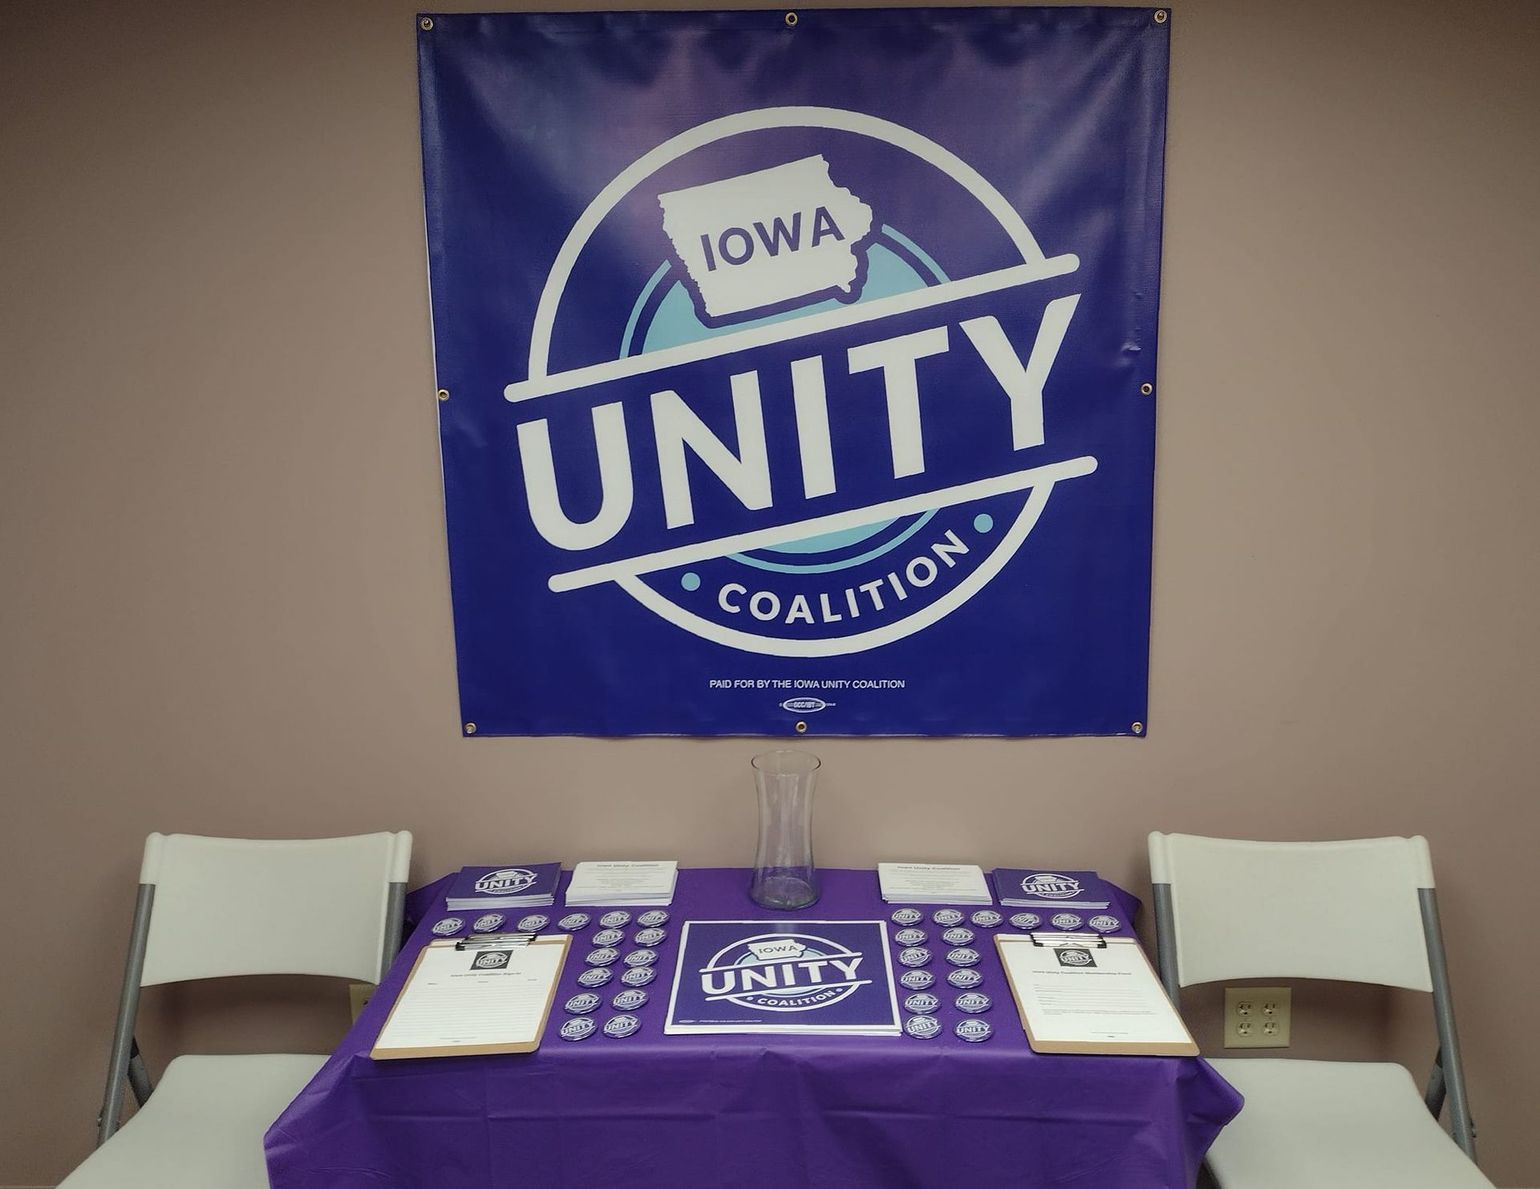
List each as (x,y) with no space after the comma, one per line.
(1143,984)
(476,997)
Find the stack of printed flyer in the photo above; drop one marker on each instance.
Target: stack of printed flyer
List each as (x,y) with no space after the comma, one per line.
(621,882)
(1030,887)
(933,883)
(532,885)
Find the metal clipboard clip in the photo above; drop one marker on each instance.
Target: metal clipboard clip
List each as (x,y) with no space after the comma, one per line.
(481,941)
(1054,941)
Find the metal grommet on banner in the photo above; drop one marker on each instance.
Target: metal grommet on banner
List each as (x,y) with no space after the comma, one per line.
(443,394)
(470,728)
(802,728)
(1160,16)
(426,23)
(1138,728)
(791,20)
(1144,389)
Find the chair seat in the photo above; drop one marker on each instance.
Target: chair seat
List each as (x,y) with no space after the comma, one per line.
(202,1127)
(1333,1125)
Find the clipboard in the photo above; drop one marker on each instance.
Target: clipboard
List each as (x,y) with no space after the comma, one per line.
(1084,993)
(464,999)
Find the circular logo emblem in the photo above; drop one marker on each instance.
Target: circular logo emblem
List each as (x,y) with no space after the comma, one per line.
(573,921)
(533,923)
(607,937)
(621,1026)
(618,919)
(964,979)
(785,972)
(448,927)
(910,937)
(651,936)
(638,976)
(652,918)
(581,1005)
(1050,886)
(914,956)
(947,917)
(629,999)
(922,1027)
(922,1003)
(986,918)
(1066,920)
(974,1029)
(577,1028)
(958,936)
(595,978)
(972,1002)
(507,882)
(1025,920)
(907,916)
(917,980)
(1068,956)
(603,956)
(963,956)
(491,960)
(641,957)
(1105,924)
(488,922)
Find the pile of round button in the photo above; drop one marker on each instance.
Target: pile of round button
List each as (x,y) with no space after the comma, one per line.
(924,1007)
(637,968)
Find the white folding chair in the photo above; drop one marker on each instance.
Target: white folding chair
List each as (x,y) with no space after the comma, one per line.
(1361,911)
(216,907)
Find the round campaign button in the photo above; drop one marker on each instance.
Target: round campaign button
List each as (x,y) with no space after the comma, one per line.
(641,957)
(972,1002)
(987,918)
(651,936)
(974,1029)
(607,937)
(574,921)
(603,956)
(922,1027)
(448,927)
(488,922)
(910,937)
(533,923)
(638,976)
(1025,920)
(914,956)
(947,917)
(618,919)
(577,1028)
(1105,924)
(652,918)
(917,980)
(595,978)
(963,956)
(621,1025)
(1066,920)
(907,916)
(958,936)
(629,1000)
(581,1005)
(922,1003)
(964,980)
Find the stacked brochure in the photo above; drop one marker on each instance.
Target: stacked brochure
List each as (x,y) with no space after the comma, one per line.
(1031,887)
(620,882)
(933,883)
(528,886)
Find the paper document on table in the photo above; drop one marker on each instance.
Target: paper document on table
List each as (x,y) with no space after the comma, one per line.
(483,999)
(1091,995)
(933,883)
(623,882)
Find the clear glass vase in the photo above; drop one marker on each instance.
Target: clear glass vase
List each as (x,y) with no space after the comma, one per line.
(784,876)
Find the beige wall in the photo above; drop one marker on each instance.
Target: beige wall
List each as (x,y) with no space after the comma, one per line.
(224,604)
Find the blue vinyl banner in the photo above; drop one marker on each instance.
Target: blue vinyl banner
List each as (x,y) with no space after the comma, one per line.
(796,369)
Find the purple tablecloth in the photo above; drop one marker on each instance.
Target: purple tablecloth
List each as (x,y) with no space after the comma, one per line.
(748,1112)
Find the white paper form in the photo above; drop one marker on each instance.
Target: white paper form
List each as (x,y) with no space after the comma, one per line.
(1091,998)
(933,883)
(490,999)
(623,882)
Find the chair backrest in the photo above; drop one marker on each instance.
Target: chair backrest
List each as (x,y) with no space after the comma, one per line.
(229,906)
(1345,910)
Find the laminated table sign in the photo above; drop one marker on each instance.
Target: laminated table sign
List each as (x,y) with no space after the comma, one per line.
(609,1098)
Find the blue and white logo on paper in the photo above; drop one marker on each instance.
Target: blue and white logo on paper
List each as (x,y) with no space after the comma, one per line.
(491,960)
(507,882)
(786,294)
(1050,886)
(783,972)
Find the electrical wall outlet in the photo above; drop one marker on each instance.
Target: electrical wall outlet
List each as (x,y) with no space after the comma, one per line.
(1257,1017)
(360,994)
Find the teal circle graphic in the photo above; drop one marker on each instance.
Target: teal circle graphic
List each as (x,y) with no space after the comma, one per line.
(690,580)
(983,522)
